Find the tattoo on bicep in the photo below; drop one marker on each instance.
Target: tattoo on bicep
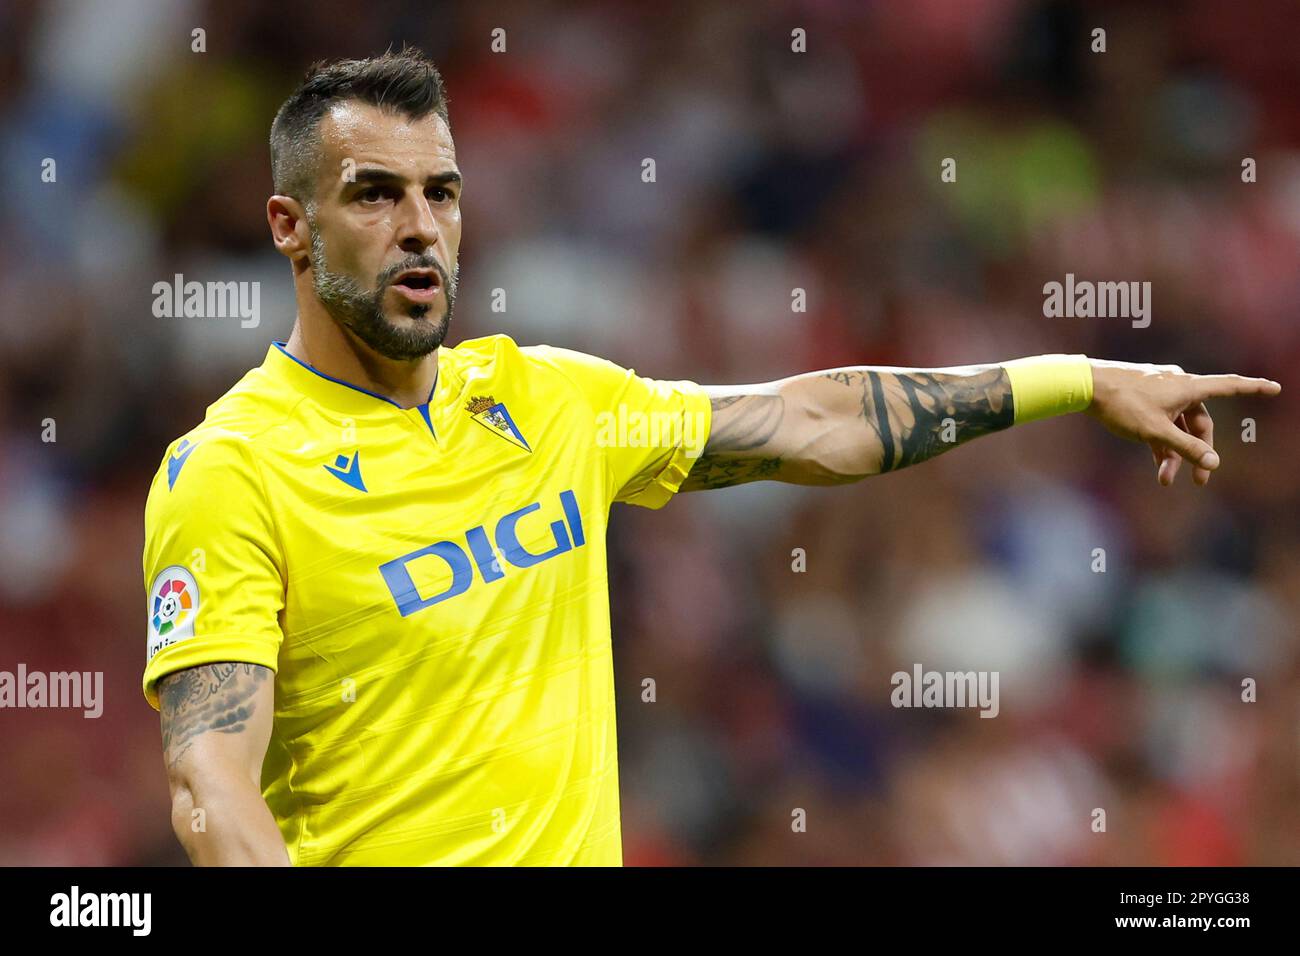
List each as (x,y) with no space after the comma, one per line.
(917,415)
(743,423)
(736,450)
(216,697)
(712,471)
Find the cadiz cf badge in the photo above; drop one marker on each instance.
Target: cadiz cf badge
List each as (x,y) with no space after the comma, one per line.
(492,415)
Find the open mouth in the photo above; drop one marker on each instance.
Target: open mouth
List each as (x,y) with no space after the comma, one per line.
(418,283)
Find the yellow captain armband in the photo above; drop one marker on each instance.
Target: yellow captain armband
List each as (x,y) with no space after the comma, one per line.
(1046,385)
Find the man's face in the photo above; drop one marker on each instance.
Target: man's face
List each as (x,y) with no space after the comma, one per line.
(386,228)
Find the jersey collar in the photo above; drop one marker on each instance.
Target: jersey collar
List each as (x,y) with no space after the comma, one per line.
(345,397)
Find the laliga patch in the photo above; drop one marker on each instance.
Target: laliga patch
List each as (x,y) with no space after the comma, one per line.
(173,604)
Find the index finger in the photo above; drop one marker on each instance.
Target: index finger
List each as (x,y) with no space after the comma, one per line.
(1223,386)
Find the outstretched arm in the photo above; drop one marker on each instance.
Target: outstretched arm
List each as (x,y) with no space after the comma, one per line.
(216,724)
(841,425)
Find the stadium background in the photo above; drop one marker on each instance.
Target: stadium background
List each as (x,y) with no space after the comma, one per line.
(775,170)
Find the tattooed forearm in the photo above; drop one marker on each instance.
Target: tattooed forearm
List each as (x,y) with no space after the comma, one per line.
(917,415)
(840,425)
(216,697)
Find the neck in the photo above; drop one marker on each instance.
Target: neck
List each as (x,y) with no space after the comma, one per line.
(329,348)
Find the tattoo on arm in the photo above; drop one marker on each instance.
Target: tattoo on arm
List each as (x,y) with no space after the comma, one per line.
(216,697)
(886,419)
(742,426)
(917,415)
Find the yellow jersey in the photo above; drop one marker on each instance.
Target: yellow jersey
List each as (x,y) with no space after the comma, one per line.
(429,585)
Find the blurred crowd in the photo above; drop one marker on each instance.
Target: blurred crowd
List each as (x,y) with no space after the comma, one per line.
(772,739)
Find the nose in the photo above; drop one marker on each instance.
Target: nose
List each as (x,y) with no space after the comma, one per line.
(418,228)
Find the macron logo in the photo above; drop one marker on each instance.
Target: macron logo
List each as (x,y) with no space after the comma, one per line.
(348,472)
(177,461)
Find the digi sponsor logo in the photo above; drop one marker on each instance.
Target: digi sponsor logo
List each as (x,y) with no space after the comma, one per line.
(397,574)
(173,605)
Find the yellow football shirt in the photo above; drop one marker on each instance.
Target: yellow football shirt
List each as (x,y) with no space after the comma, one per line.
(429,585)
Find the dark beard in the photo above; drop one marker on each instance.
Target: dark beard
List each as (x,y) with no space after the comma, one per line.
(362,313)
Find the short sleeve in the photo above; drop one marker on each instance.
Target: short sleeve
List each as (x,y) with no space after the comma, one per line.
(650,431)
(213,568)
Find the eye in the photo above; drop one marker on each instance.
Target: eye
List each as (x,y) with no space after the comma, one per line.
(439,194)
(372,194)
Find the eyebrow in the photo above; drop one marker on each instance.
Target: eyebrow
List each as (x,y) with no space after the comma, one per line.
(377,175)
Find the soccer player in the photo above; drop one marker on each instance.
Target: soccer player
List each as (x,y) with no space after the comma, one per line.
(377,591)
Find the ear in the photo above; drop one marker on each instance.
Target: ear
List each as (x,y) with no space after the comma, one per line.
(289,229)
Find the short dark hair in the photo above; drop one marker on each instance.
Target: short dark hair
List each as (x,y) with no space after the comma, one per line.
(407,82)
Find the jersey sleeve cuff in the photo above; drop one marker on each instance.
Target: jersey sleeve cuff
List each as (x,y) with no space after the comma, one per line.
(194,652)
(697,412)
